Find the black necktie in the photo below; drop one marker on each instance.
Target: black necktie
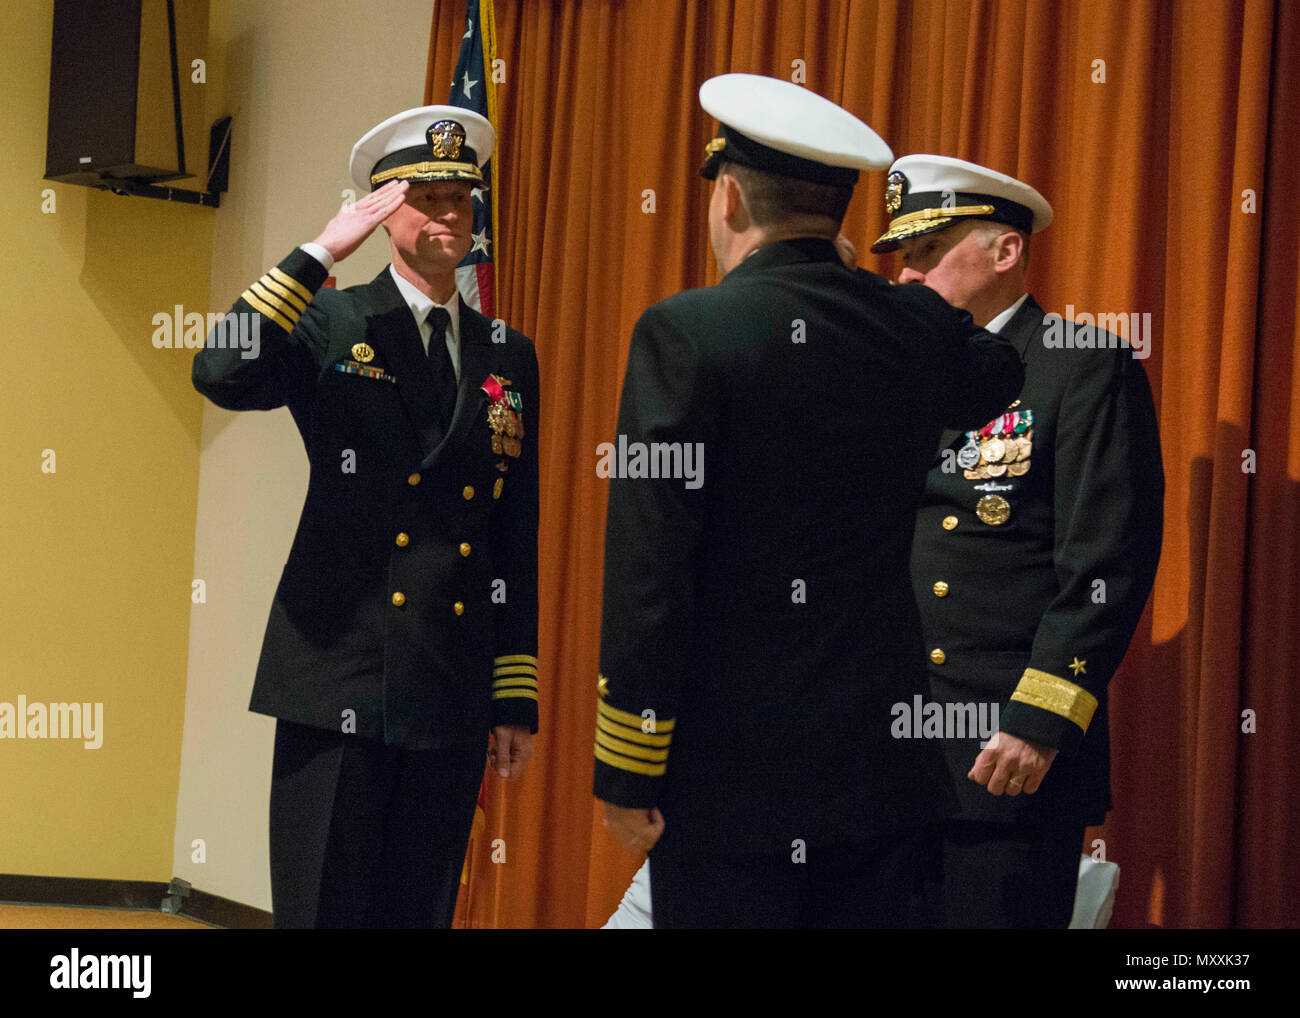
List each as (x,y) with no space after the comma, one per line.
(444,375)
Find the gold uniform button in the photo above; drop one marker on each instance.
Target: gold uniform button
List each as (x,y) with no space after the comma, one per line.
(467,492)
(464,549)
(413,480)
(458,608)
(403,540)
(938,656)
(941,589)
(399,599)
(950,523)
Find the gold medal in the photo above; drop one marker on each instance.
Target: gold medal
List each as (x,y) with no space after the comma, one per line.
(971,475)
(1012,452)
(497,445)
(994,449)
(993,510)
(1019,468)
(512,447)
(363,353)
(997,469)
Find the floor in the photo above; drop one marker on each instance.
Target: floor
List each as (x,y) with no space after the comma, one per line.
(59,917)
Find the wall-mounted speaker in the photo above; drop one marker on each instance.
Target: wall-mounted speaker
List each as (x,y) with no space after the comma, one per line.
(125,112)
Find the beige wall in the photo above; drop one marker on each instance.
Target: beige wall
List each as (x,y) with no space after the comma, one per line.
(96,557)
(304,81)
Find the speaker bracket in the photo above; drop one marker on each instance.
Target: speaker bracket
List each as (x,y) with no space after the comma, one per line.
(216,184)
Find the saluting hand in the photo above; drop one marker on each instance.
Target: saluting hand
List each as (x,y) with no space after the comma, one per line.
(357,220)
(1012,765)
(510,748)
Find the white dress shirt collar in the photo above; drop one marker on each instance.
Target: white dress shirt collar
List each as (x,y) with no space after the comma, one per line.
(421,304)
(1000,322)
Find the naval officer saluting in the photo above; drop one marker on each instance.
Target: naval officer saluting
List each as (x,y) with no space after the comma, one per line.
(404,627)
(758,621)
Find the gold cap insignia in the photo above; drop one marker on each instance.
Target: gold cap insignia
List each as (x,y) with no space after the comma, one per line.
(445,139)
(894,192)
(363,353)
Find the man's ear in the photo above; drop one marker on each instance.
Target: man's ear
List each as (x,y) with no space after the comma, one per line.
(734,212)
(1008,251)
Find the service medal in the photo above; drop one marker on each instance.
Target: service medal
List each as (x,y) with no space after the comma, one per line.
(993,510)
(1018,469)
(968,456)
(994,449)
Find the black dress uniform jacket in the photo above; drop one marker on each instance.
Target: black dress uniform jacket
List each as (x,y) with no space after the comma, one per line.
(759,626)
(1036,612)
(410,594)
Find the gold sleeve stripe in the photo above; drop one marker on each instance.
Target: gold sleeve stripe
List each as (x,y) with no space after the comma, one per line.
(512,694)
(515,670)
(283,306)
(266,310)
(634,720)
(624,764)
(632,734)
(289,297)
(628,749)
(515,659)
(291,283)
(1060,696)
(513,684)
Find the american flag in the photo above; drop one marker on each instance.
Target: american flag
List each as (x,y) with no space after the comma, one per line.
(472,88)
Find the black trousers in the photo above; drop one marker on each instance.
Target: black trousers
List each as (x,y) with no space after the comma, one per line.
(1004,877)
(865,885)
(365,835)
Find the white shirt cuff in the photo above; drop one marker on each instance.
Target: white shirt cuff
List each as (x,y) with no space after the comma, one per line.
(319,253)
